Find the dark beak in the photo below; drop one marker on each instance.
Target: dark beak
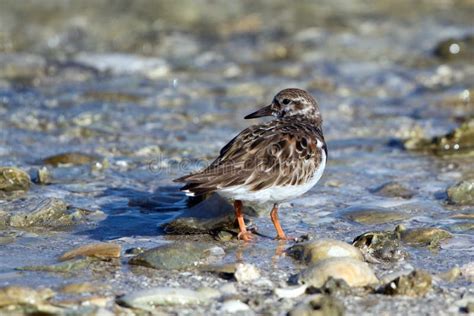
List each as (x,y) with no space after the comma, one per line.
(265,111)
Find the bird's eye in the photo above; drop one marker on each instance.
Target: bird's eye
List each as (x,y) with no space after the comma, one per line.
(286,101)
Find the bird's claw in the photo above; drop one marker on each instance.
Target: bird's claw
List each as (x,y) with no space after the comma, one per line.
(245,236)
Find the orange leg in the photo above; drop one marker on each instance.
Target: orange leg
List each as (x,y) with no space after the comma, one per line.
(276,223)
(243,234)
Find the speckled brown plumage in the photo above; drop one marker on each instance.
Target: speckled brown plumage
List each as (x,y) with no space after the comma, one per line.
(273,161)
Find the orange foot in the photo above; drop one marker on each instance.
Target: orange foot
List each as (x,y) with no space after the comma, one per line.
(245,236)
(286,238)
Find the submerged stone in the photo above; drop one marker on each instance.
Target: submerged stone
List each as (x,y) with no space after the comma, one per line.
(314,251)
(246,272)
(393,189)
(417,283)
(462,193)
(178,255)
(97,250)
(72,159)
(318,305)
(168,296)
(19,295)
(457,142)
(50,212)
(424,236)
(13,180)
(380,246)
(70,266)
(373,216)
(213,214)
(455,49)
(354,272)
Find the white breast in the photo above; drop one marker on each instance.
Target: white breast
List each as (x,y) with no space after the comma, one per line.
(274,194)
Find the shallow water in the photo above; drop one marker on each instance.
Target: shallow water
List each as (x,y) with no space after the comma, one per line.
(153,118)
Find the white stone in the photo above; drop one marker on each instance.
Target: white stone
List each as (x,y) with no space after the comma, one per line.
(246,272)
(234,306)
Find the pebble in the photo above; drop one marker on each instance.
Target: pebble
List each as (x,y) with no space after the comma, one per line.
(424,236)
(417,283)
(378,246)
(290,292)
(15,295)
(79,288)
(97,250)
(462,193)
(451,275)
(314,251)
(168,296)
(393,189)
(318,305)
(467,271)
(13,180)
(213,214)
(74,265)
(234,306)
(373,216)
(48,212)
(72,159)
(228,289)
(354,272)
(246,272)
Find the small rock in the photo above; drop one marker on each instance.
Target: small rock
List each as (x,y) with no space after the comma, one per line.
(331,287)
(179,255)
(314,251)
(379,246)
(50,212)
(318,305)
(354,272)
(246,272)
(167,296)
(213,214)
(467,271)
(97,250)
(451,275)
(417,283)
(43,176)
(75,265)
(425,236)
(72,159)
(373,216)
(234,306)
(13,180)
(462,193)
(458,142)
(291,292)
(79,288)
(134,251)
(228,289)
(455,49)
(393,189)
(18,295)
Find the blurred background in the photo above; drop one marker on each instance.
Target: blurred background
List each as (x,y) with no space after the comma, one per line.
(103,103)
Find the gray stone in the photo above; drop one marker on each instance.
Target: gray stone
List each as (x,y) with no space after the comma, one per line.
(318,305)
(178,255)
(354,272)
(462,193)
(13,180)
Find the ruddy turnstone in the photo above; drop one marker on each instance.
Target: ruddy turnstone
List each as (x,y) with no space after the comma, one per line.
(269,162)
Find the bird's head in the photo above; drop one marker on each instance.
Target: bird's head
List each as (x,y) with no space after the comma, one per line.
(290,102)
